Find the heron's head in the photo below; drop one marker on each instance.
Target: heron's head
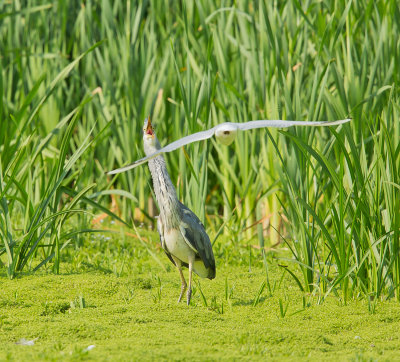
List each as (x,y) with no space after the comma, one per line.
(150,140)
(226,133)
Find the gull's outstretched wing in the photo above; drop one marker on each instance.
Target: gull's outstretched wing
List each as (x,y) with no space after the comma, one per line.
(199,136)
(222,130)
(285,124)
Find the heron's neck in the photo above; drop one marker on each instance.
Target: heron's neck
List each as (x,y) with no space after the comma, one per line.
(166,196)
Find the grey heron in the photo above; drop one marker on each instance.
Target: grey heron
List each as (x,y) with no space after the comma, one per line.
(182,234)
(224,133)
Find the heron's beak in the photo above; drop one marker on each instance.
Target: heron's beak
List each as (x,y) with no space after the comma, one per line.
(149,129)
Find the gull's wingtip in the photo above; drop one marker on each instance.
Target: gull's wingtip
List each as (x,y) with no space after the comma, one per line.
(122,169)
(130,166)
(346,120)
(336,123)
(113,172)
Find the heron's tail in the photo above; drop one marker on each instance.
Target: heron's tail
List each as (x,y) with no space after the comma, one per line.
(211,274)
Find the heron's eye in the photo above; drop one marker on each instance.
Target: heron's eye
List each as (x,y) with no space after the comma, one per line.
(227,132)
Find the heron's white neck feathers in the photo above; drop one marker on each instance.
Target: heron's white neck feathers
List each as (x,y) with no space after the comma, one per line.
(164,190)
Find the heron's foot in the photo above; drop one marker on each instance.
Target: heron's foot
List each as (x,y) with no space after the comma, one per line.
(189,295)
(183,290)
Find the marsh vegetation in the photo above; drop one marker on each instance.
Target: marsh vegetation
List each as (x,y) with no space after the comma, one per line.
(112,299)
(318,207)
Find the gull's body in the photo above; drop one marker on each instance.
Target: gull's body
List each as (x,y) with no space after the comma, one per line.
(182,235)
(224,133)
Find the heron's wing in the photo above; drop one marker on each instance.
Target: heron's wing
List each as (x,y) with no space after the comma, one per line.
(193,231)
(285,124)
(199,136)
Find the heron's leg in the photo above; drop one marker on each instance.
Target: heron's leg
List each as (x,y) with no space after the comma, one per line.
(183,286)
(189,292)
(178,264)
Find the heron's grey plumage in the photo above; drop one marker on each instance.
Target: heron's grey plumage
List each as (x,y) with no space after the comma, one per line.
(175,215)
(193,231)
(182,235)
(165,192)
(225,131)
